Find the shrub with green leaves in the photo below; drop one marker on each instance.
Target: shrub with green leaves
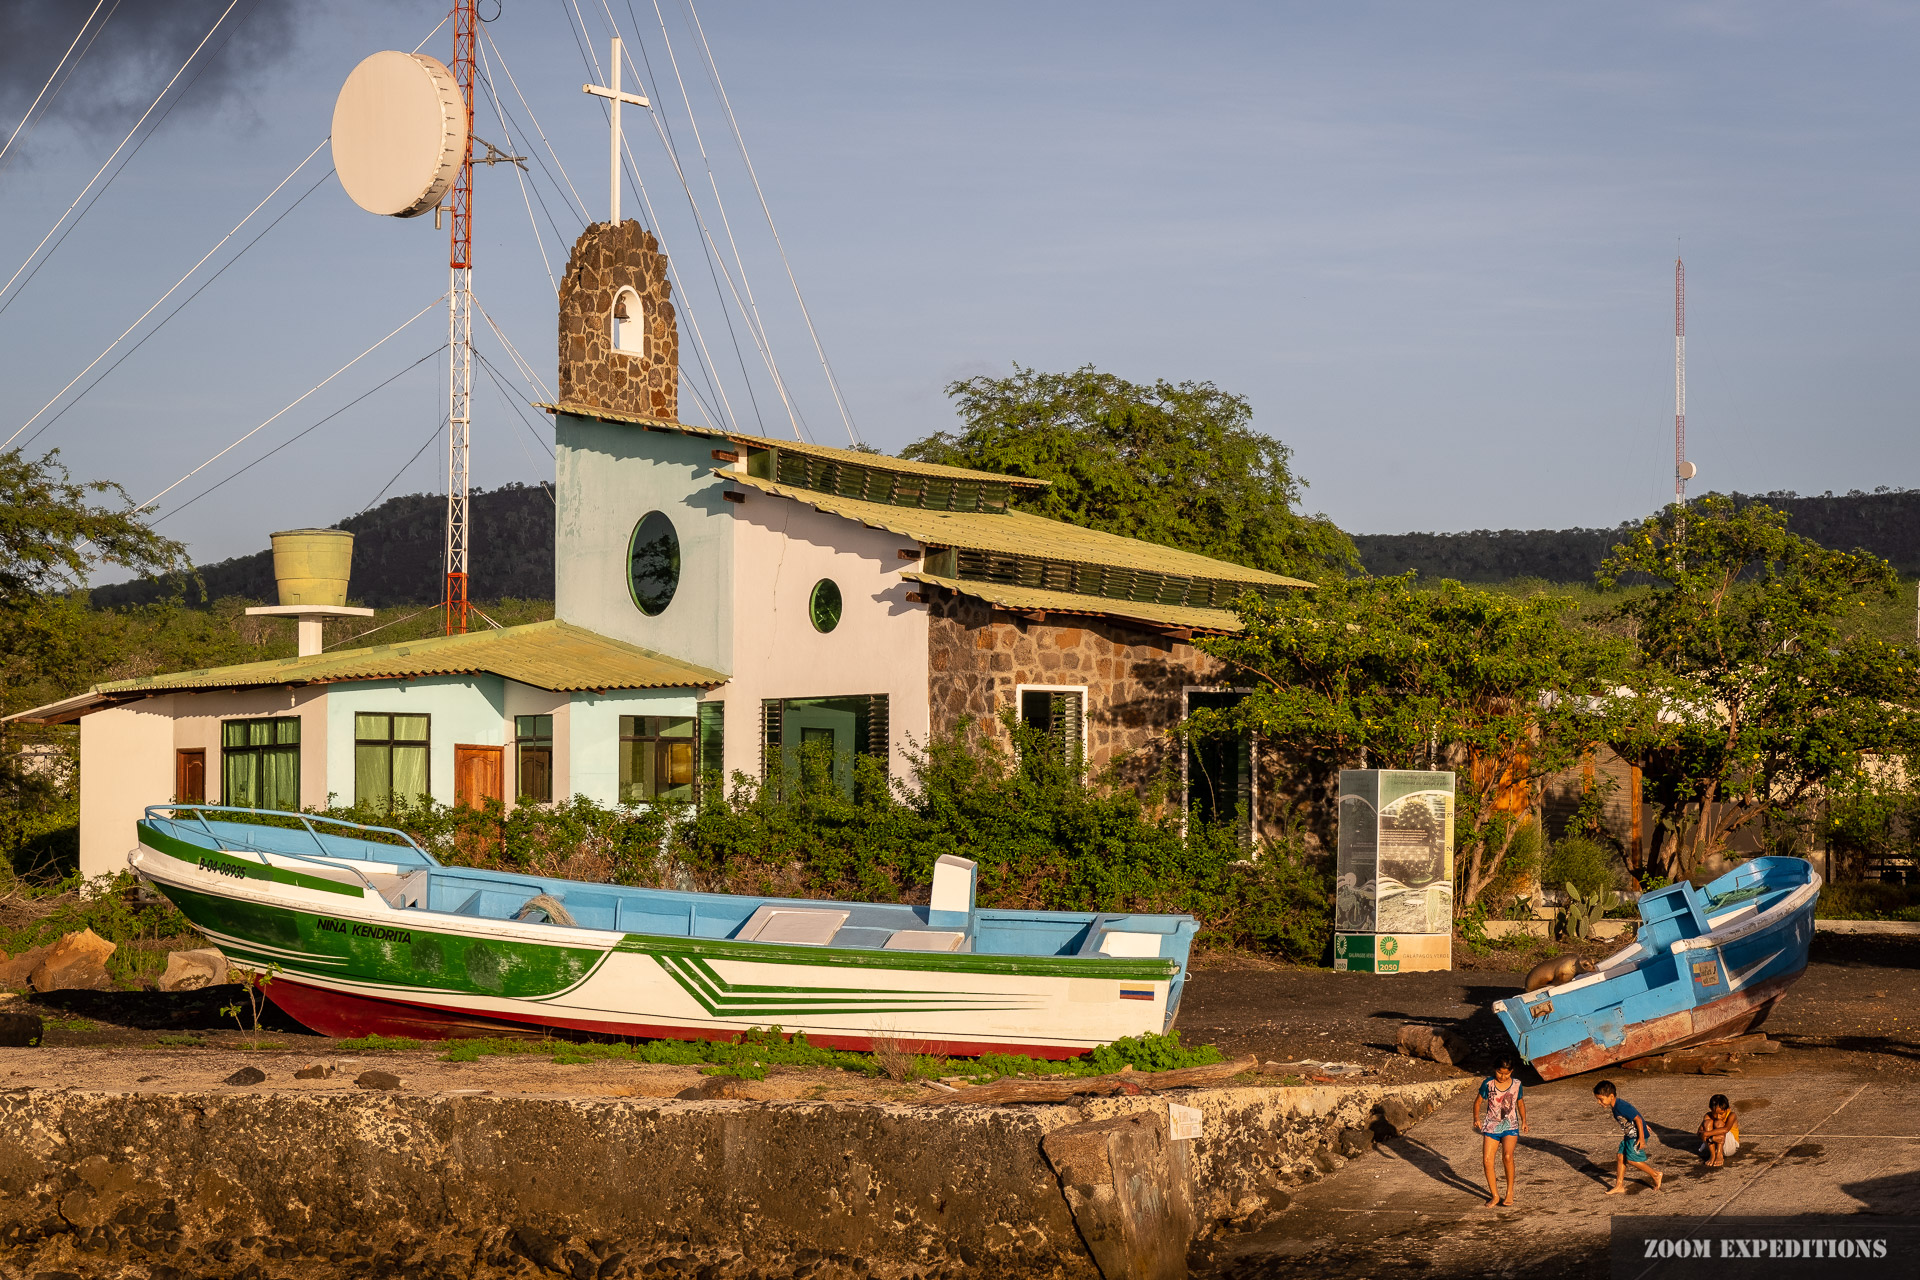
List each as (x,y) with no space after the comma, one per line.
(1044,837)
(1585,863)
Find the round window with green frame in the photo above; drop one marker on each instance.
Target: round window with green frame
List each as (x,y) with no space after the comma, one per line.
(824,606)
(653,563)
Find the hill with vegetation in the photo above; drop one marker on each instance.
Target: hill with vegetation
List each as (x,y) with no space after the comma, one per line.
(399,550)
(1885,522)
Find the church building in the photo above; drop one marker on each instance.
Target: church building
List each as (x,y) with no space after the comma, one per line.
(722,600)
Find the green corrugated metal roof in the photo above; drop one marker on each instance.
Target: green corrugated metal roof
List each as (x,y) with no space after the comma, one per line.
(1017,533)
(879,461)
(1042,600)
(547,655)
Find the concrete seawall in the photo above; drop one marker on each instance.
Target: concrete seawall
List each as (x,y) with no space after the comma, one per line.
(287,1184)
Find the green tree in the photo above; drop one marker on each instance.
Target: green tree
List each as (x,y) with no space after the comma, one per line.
(1380,673)
(1174,463)
(1751,698)
(53,532)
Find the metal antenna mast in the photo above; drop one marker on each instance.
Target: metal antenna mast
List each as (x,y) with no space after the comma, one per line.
(1683,470)
(460,328)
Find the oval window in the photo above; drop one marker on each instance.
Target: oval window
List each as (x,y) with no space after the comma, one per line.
(825,605)
(654,563)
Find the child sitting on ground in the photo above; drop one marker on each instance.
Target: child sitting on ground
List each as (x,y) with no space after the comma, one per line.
(1719,1131)
(1633,1147)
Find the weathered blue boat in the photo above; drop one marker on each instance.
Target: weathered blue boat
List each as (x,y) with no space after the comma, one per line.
(1705,964)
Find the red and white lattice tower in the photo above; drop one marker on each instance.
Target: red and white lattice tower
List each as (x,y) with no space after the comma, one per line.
(460,328)
(1683,470)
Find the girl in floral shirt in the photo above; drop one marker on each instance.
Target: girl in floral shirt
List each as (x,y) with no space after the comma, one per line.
(1500,1115)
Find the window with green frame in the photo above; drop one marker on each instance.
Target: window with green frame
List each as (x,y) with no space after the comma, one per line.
(799,733)
(657,758)
(389,760)
(533,762)
(260,763)
(1220,767)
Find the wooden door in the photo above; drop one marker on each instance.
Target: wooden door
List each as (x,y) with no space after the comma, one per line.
(477,775)
(190,777)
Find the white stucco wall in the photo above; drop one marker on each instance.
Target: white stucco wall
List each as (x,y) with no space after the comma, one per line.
(196,724)
(126,764)
(607,476)
(469,710)
(782,548)
(593,737)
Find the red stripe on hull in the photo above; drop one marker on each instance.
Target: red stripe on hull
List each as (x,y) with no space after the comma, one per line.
(1730,1015)
(344,1014)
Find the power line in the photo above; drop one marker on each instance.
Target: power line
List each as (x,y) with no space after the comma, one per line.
(750,311)
(123,142)
(185,303)
(394,479)
(296,400)
(168,294)
(713,68)
(308,431)
(51,76)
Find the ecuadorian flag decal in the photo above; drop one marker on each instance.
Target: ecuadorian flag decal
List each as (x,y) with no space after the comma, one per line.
(1134,993)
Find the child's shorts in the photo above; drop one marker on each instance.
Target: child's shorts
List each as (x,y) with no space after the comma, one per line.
(1633,1151)
(1728,1145)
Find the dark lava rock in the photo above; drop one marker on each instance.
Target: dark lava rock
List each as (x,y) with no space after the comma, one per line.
(20,1030)
(714,1087)
(1354,1142)
(1395,1117)
(246,1075)
(377,1080)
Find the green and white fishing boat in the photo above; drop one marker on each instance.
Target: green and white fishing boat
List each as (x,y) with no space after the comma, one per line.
(366,932)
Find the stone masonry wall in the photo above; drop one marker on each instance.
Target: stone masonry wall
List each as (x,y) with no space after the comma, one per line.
(978,657)
(592,374)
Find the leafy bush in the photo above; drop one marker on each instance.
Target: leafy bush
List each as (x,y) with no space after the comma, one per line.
(1586,864)
(1044,838)
(1869,901)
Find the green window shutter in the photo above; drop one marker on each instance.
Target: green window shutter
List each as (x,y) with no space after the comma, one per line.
(769,738)
(879,731)
(1069,711)
(712,743)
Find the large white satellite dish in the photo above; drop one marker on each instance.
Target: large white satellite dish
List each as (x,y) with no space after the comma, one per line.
(399,133)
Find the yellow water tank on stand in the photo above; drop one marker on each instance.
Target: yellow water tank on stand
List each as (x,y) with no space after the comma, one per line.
(312,566)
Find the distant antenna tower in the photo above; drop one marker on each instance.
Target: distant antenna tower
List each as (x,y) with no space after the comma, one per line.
(460,326)
(1683,470)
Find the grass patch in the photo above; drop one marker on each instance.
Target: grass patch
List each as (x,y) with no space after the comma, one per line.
(377,1043)
(1866,900)
(182,1041)
(749,1055)
(69,1024)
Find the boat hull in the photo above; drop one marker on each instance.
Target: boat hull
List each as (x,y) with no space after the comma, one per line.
(1731,1015)
(344,962)
(1704,965)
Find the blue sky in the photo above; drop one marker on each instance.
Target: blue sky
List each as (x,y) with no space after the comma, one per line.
(1432,244)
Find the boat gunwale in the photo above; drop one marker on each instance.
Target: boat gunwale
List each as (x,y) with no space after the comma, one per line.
(609,941)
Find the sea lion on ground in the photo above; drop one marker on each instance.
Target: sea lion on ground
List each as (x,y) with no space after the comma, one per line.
(1551,973)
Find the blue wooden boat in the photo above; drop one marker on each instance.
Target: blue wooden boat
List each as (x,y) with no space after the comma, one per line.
(364,931)
(1705,964)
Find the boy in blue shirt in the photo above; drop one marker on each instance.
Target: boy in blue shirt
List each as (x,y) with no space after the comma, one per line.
(1634,1145)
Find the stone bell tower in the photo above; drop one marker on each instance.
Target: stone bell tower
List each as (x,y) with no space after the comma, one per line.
(619,347)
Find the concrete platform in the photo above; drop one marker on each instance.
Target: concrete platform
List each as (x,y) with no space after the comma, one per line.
(1815,1143)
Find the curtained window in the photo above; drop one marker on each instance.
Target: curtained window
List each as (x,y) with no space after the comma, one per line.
(389,760)
(656,758)
(260,763)
(533,745)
